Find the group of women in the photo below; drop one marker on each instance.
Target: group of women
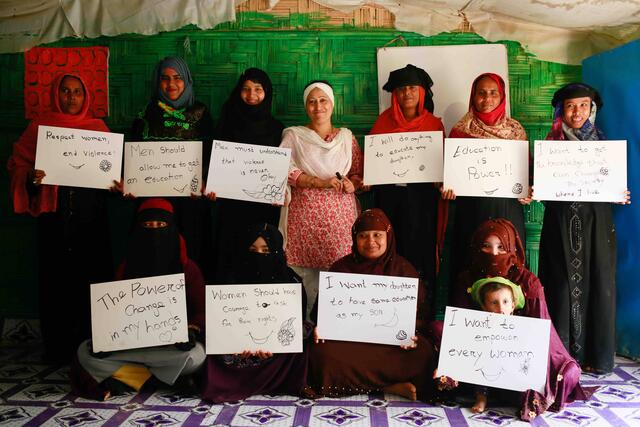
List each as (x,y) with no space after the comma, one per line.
(320,228)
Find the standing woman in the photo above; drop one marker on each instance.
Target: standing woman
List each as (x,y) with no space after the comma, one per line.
(325,171)
(72,226)
(412,208)
(245,118)
(174,115)
(578,247)
(486,119)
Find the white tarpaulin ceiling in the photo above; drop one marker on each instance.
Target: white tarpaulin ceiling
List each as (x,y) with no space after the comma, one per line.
(556,30)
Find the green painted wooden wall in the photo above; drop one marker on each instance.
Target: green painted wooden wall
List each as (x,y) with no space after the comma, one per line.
(346,56)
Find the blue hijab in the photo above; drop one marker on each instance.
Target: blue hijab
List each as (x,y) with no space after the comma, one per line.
(187,98)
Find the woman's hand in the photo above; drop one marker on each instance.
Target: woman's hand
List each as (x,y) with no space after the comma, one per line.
(117,187)
(315,336)
(210,196)
(347,185)
(447,194)
(627,198)
(263,355)
(527,200)
(411,346)
(36,176)
(334,183)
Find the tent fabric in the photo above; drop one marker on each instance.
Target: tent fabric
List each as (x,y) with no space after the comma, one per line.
(554,30)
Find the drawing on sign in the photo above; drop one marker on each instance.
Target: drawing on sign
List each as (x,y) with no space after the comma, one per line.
(524,368)
(269,192)
(286,334)
(401,335)
(194,184)
(391,323)
(491,377)
(165,336)
(262,340)
(105,165)
(76,167)
(517,188)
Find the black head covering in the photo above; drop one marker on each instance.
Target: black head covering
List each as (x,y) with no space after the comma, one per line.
(576,90)
(250,124)
(153,251)
(253,267)
(408,76)
(187,98)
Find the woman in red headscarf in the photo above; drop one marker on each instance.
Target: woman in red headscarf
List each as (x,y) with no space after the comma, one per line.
(72,224)
(486,119)
(412,208)
(343,368)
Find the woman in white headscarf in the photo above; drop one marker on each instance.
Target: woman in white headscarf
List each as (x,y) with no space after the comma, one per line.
(325,171)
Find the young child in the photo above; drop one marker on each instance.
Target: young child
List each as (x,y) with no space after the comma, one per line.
(495,295)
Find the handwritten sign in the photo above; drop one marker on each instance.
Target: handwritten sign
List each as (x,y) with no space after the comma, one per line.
(400,158)
(486,167)
(495,350)
(367,308)
(254,173)
(584,171)
(79,158)
(134,313)
(254,317)
(163,168)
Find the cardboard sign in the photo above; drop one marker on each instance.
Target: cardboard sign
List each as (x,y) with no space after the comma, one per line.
(486,167)
(163,168)
(581,171)
(452,81)
(254,173)
(400,158)
(495,350)
(134,313)
(79,158)
(252,317)
(367,308)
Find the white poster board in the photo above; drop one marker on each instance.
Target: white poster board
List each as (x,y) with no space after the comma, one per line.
(163,168)
(486,167)
(367,308)
(79,158)
(253,173)
(400,158)
(582,171)
(134,313)
(495,350)
(452,69)
(253,317)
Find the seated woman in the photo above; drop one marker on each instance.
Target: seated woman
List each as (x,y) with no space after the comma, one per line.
(155,249)
(343,368)
(500,295)
(496,250)
(259,259)
(245,118)
(173,114)
(70,220)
